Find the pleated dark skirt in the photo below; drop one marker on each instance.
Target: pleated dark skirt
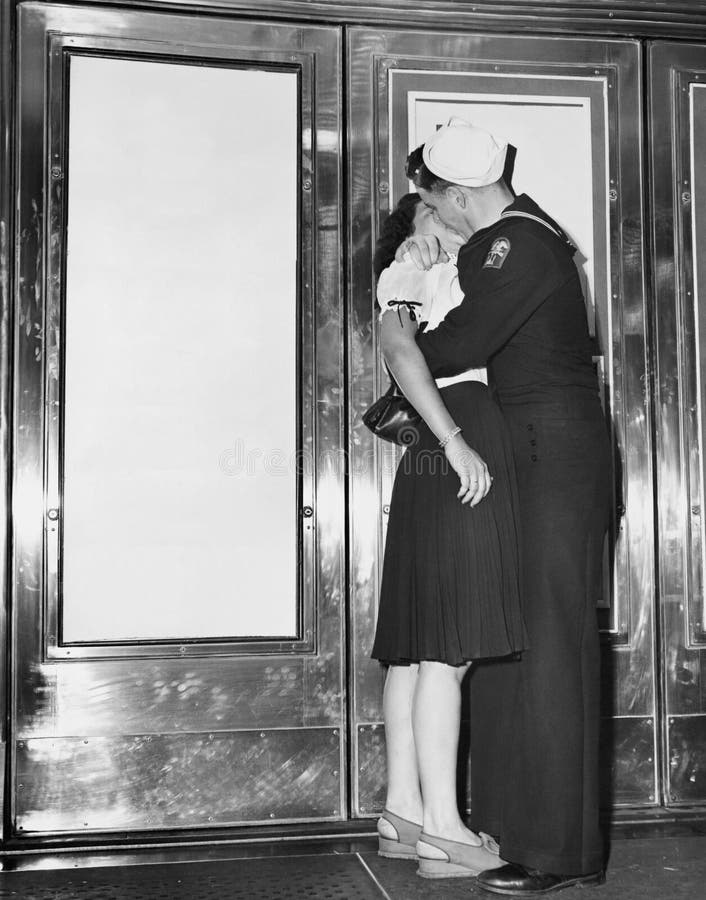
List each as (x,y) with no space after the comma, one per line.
(450,583)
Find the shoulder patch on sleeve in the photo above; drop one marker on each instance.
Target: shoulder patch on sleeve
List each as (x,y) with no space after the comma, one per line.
(499,252)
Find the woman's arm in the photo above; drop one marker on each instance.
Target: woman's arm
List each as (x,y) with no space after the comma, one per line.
(406,362)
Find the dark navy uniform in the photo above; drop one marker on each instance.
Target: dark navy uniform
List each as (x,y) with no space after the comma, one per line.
(534,723)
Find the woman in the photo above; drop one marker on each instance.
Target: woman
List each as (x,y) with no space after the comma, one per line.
(449,590)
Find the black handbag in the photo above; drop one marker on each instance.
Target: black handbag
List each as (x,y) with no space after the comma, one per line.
(393,418)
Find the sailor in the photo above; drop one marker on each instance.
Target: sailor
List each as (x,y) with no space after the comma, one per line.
(535,722)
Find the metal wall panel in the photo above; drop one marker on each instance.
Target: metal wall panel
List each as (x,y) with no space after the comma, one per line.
(153,781)
(75,707)
(678,151)
(677,18)
(375,60)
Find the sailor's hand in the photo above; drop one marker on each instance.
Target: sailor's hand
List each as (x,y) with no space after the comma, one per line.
(424,250)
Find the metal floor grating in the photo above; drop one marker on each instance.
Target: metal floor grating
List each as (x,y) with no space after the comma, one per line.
(328,877)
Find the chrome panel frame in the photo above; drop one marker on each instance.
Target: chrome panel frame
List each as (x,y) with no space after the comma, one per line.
(61,49)
(678,401)
(629,653)
(7,220)
(682,18)
(190,686)
(691,399)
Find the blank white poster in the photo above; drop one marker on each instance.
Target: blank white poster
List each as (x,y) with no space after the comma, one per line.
(180,353)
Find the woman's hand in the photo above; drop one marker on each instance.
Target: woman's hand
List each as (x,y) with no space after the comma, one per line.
(424,250)
(476,480)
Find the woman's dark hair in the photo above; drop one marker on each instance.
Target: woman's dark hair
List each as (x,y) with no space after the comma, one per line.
(396,227)
(416,170)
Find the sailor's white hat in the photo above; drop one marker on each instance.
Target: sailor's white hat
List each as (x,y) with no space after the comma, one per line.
(465,154)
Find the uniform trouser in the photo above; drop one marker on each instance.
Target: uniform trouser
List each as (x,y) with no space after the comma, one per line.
(535,722)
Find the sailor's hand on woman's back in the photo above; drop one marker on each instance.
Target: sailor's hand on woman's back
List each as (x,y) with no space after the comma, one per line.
(424,250)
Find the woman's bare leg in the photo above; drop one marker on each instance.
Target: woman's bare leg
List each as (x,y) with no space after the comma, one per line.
(436,721)
(403,791)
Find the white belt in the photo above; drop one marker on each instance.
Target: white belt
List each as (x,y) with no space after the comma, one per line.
(469,375)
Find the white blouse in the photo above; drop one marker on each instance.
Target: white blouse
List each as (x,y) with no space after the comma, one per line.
(434,293)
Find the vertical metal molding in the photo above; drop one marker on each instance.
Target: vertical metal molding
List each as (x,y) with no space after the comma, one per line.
(7,60)
(679,406)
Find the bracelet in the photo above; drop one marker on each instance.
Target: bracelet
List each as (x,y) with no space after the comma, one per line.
(454,431)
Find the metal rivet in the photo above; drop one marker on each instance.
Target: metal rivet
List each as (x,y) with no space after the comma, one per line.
(272,815)
(182,649)
(56,171)
(335,732)
(695,510)
(383,187)
(262,734)
(306,185)
(53,514)
(386,509)
(307,512)
(686,197)
(612,194)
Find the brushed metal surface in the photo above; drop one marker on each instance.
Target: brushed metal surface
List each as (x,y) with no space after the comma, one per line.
(687,760)
(171,691)
(629,665)
(605,17)
(371,770)
(680,402)
(154,781)
(628,762)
